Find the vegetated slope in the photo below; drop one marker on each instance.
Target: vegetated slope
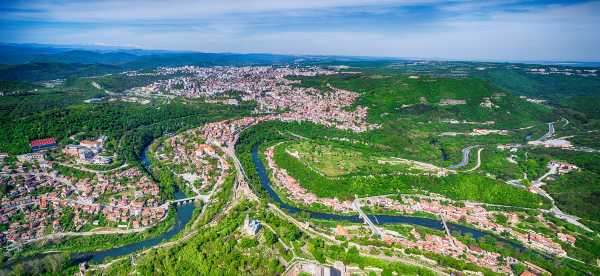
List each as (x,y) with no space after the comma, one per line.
(18,54)
(16,87)
(76,90)
(412,115)
(397,96)
(521,82)
(585,108)
(577,192)
(32,72)
(473,187)
(112,119)
(121,82)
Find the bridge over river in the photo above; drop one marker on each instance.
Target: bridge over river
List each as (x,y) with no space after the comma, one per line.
(186,200)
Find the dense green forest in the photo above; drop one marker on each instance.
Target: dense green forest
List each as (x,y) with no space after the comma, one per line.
(72,91)
(128,122)
(536,85)
(16,87)
(33,72)
(393,96)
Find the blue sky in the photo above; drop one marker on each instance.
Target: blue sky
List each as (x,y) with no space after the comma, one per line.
(451,29)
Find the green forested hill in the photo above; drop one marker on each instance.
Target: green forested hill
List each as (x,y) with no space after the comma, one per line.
(394,96)
(558,85)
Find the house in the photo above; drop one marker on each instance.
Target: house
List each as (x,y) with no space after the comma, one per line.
(251,226)
(72,150)
(562,167)
(204,149)
(444,102)
(552,143)
(102,159)
(28,157)
(92,144)
(85,154)
(42,144)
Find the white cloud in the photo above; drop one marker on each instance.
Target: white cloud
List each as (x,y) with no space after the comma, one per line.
(117,10)
(546,33)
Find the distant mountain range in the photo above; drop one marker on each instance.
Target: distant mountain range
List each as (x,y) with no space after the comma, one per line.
(38,62)
(138,58)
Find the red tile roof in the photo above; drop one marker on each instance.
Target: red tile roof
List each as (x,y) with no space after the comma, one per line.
(43,142)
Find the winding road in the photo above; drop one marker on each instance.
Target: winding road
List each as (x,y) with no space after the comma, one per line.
(478,161)
(548,134)
(466,151)
(537,188)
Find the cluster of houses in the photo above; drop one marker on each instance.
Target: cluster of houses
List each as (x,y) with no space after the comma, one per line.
(299,194)
(38,196)
(561,167)
(198,161)
(272,92)
(477,132)
(89,151)
(474,215)
(223,132)
(207,82)
(563,71)
(324,108)
(552,143)
(448,246)
(440,244)
(19,206)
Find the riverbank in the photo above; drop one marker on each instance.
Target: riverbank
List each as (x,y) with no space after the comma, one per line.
(98,248)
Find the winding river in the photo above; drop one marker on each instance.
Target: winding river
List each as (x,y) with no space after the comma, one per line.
(183,214)
(378,219)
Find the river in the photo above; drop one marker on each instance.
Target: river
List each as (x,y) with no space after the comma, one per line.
(183,214)
(377,219)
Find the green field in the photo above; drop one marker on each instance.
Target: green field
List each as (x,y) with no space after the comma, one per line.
(332,160)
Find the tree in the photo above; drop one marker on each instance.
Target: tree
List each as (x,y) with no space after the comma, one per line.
(270,238)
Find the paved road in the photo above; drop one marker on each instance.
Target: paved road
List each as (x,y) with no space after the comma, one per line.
(92,233)
(548,134)
(465,159)
(93,171)
(366,219)
(478,161)
(537,188)
(364,249)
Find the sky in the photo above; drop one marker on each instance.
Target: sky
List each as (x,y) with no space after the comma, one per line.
(508,30)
